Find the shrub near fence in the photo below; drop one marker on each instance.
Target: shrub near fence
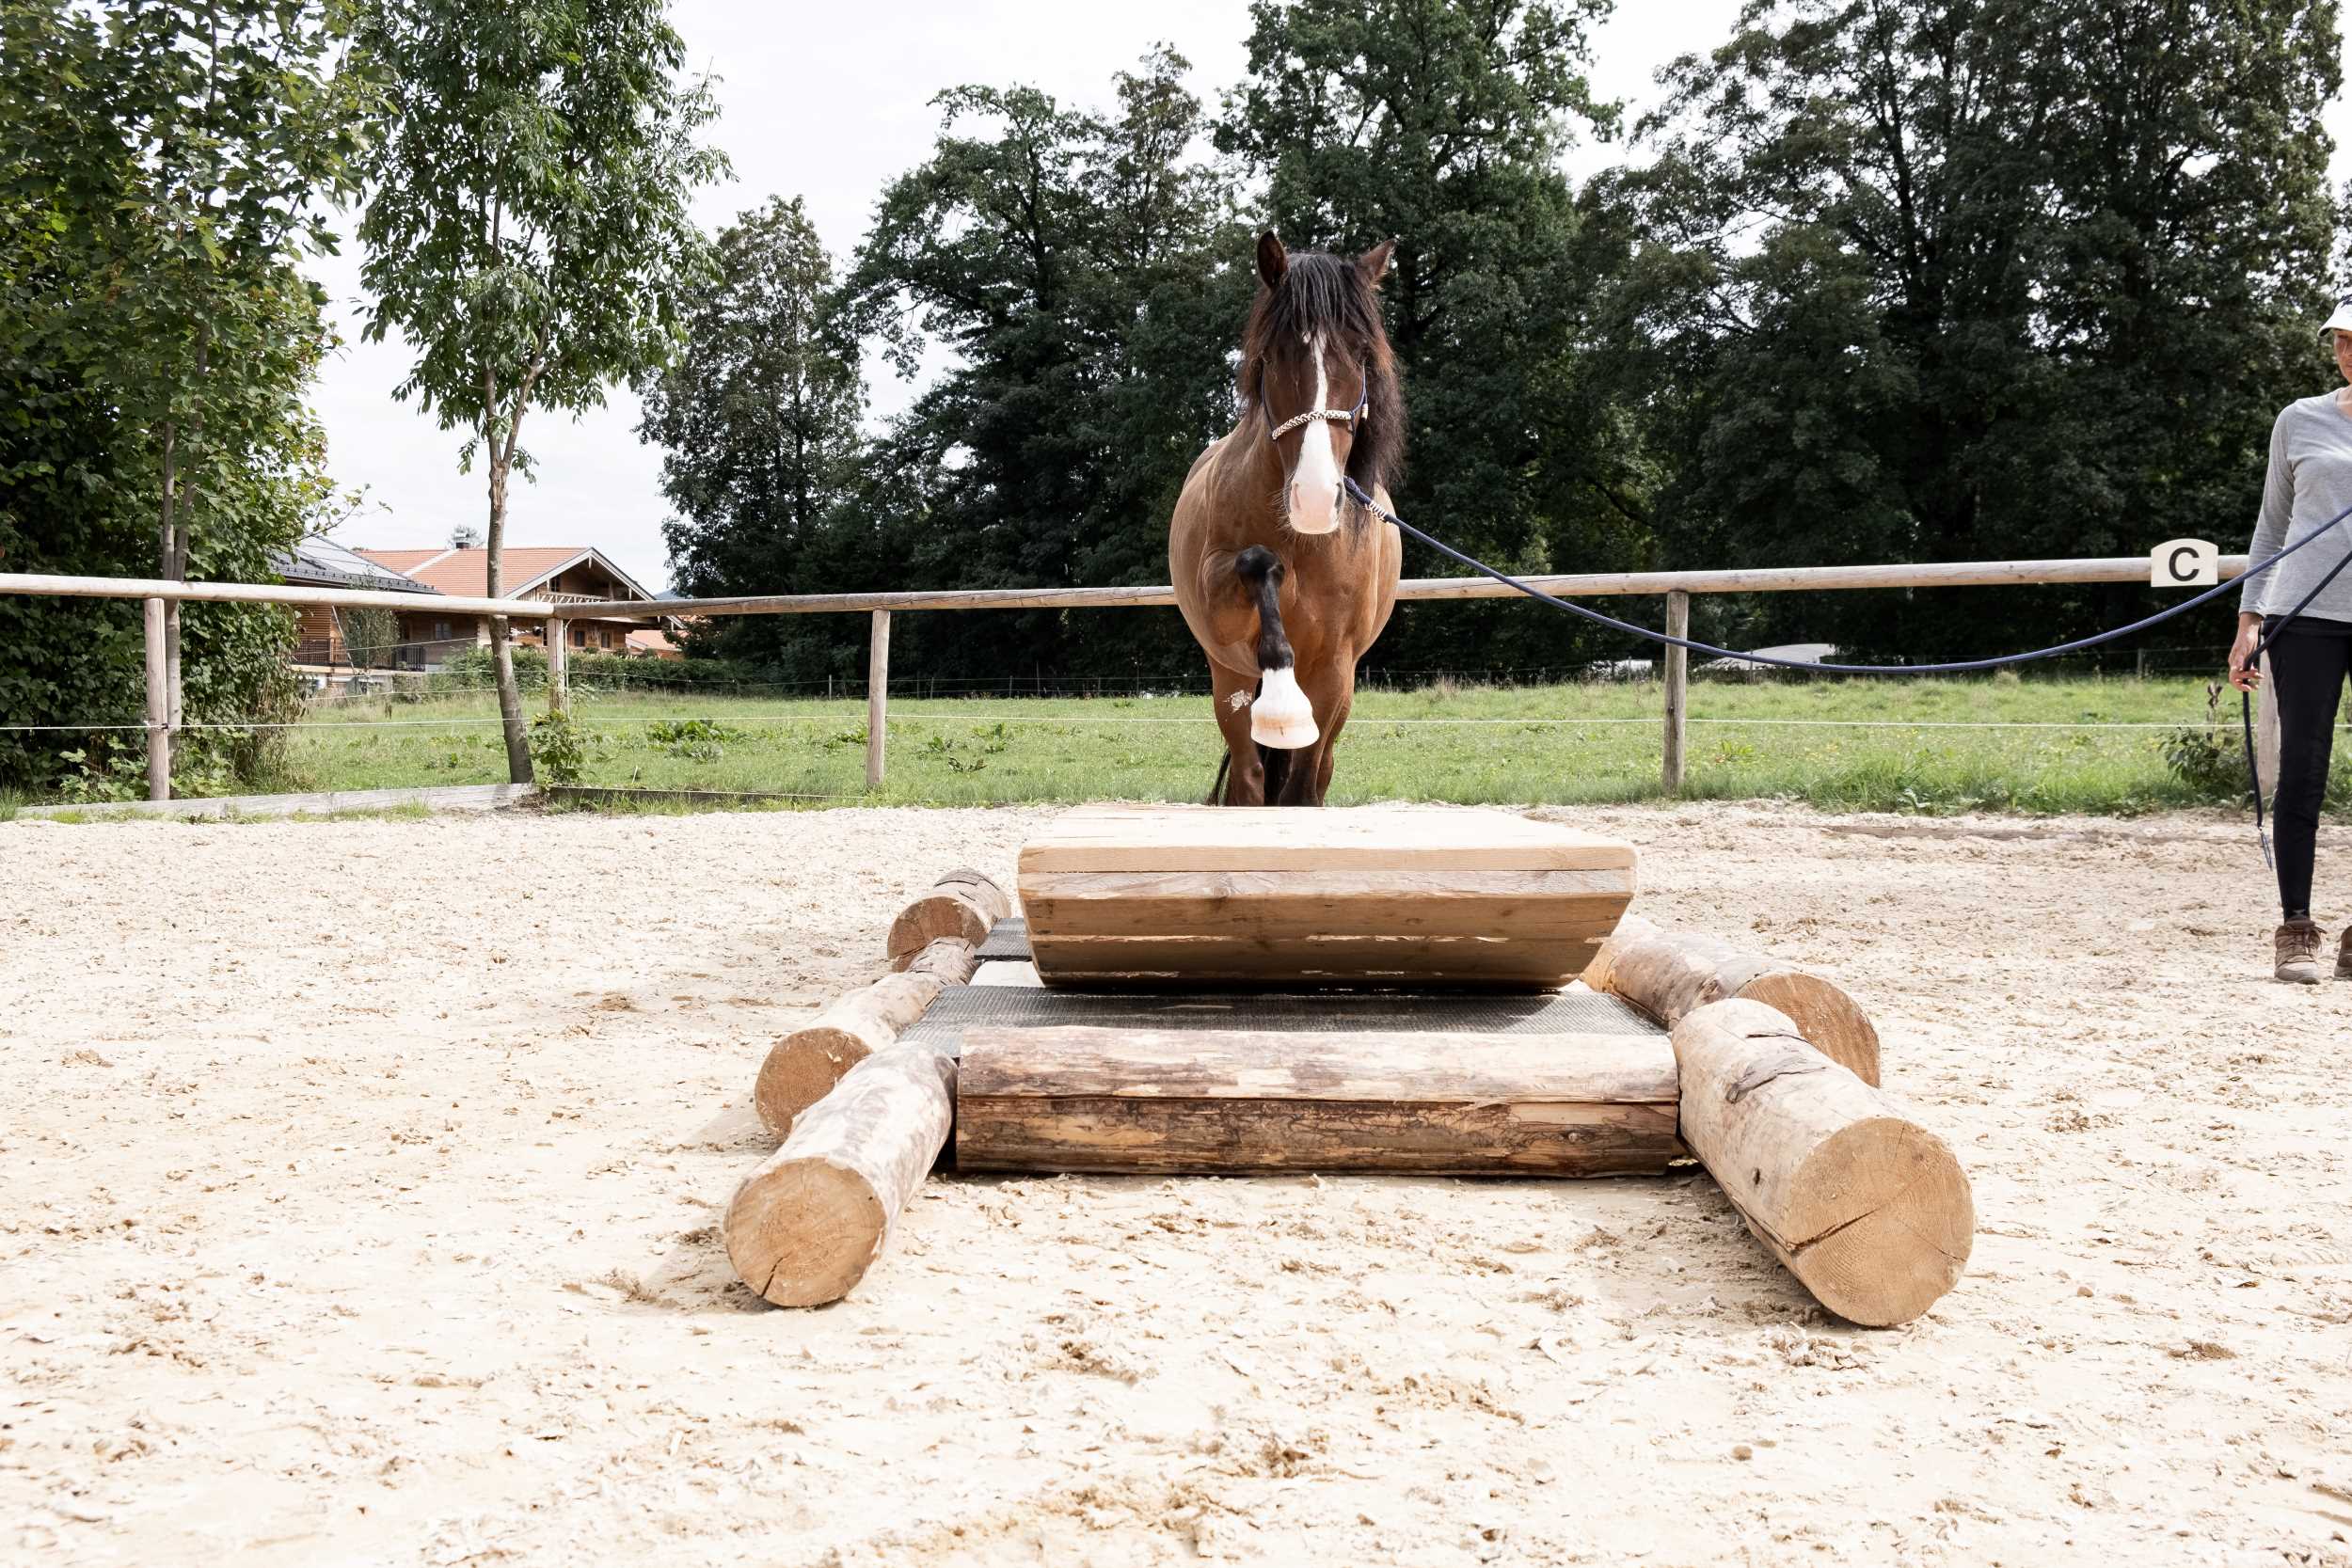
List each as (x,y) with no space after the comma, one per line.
(471,670)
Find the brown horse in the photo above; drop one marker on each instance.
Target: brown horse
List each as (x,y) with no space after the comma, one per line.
(1283,577)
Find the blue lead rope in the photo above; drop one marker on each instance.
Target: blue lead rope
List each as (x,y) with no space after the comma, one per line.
(1950,667)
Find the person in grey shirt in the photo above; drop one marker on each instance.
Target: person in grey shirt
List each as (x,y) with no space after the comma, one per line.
(2310,482)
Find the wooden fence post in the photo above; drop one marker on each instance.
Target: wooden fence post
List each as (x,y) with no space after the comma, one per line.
(158,707)
(173,713)
(559,664)
(1677,688)
(877,697)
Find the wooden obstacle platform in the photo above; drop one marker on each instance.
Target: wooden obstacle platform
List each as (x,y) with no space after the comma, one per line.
(1191,897)
(1673,1046)
(1129,1100)
(1237,1081)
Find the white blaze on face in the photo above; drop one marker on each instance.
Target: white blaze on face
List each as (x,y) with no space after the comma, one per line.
(1314,492)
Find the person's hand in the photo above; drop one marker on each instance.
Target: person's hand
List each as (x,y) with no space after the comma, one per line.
(2242,671)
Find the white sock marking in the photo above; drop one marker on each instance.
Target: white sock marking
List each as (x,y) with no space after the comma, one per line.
(1282,716)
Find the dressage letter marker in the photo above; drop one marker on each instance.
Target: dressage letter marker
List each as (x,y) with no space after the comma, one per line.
(1367,894)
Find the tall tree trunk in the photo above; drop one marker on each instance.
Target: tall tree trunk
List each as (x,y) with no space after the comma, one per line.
(502,648)
(171,565)
(176,545)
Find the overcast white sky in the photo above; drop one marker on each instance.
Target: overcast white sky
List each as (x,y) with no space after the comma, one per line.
(830,102)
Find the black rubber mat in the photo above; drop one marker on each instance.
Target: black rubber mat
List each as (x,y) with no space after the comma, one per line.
(1007,943)
(962,1007)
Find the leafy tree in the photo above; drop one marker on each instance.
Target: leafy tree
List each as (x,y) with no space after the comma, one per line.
(1927,281)
(1440,125)
(527,227)
(758,419)
(1091,278)
(162,169)
(371,636)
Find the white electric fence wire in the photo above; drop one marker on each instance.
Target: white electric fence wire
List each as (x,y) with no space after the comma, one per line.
(1361,722)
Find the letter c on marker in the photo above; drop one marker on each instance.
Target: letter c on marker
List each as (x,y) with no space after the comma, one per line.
(2185,563)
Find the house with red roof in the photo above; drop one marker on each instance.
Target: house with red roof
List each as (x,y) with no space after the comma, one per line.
(563,574)
(429,635)
(321,646)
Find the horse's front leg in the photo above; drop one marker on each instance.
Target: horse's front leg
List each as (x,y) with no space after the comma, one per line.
(1282,717)
(1330,686)
(1245,785)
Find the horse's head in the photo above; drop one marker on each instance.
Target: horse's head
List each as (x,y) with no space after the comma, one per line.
(1315,365)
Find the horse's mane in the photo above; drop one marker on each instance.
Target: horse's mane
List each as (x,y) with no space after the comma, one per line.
(1331,295)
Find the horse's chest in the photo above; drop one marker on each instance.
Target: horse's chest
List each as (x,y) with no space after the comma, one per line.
(1326,597)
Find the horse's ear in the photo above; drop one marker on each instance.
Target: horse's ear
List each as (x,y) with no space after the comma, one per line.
(1373,263)
(1273,260)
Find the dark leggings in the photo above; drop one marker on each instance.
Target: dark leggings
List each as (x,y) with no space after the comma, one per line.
(2309,664)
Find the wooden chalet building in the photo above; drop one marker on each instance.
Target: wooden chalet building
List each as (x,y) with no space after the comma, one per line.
(559,574)
(320,648)
(429,636)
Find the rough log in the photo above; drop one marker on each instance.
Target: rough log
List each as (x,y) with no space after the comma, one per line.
(949,957)
(1141,1099)
(802,1067)
(1870,1211)
(963,905)
(806,1225)
(1669,974)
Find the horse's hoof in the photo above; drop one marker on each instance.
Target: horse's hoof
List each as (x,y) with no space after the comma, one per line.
(1282,717)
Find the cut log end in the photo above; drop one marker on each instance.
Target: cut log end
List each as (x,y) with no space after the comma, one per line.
(1669,974)
(809,1221)
(963,904)
(803,1233)
(1869,1210)
(801,1069)
(1830,1021)
(1884,1221)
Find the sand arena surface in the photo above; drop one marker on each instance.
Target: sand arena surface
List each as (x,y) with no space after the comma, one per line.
(361,1180)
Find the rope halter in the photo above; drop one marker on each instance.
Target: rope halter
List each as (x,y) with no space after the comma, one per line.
(1355,418)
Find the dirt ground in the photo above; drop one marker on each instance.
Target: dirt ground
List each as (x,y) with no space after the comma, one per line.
(361,1182)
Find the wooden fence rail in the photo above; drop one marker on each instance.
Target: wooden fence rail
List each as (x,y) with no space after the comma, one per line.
(1677,587)
(1764,580)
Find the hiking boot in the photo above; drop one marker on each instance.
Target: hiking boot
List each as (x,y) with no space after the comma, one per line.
(2343,955)
(2298,944)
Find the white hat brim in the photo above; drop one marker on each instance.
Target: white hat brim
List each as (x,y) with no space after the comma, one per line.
(2340,321)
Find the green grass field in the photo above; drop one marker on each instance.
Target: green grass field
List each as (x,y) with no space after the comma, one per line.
(1558,744)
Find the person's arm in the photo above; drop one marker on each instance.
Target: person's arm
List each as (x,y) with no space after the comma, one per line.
(2270,537)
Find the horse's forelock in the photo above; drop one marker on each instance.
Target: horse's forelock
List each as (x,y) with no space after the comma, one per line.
(1330,296)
